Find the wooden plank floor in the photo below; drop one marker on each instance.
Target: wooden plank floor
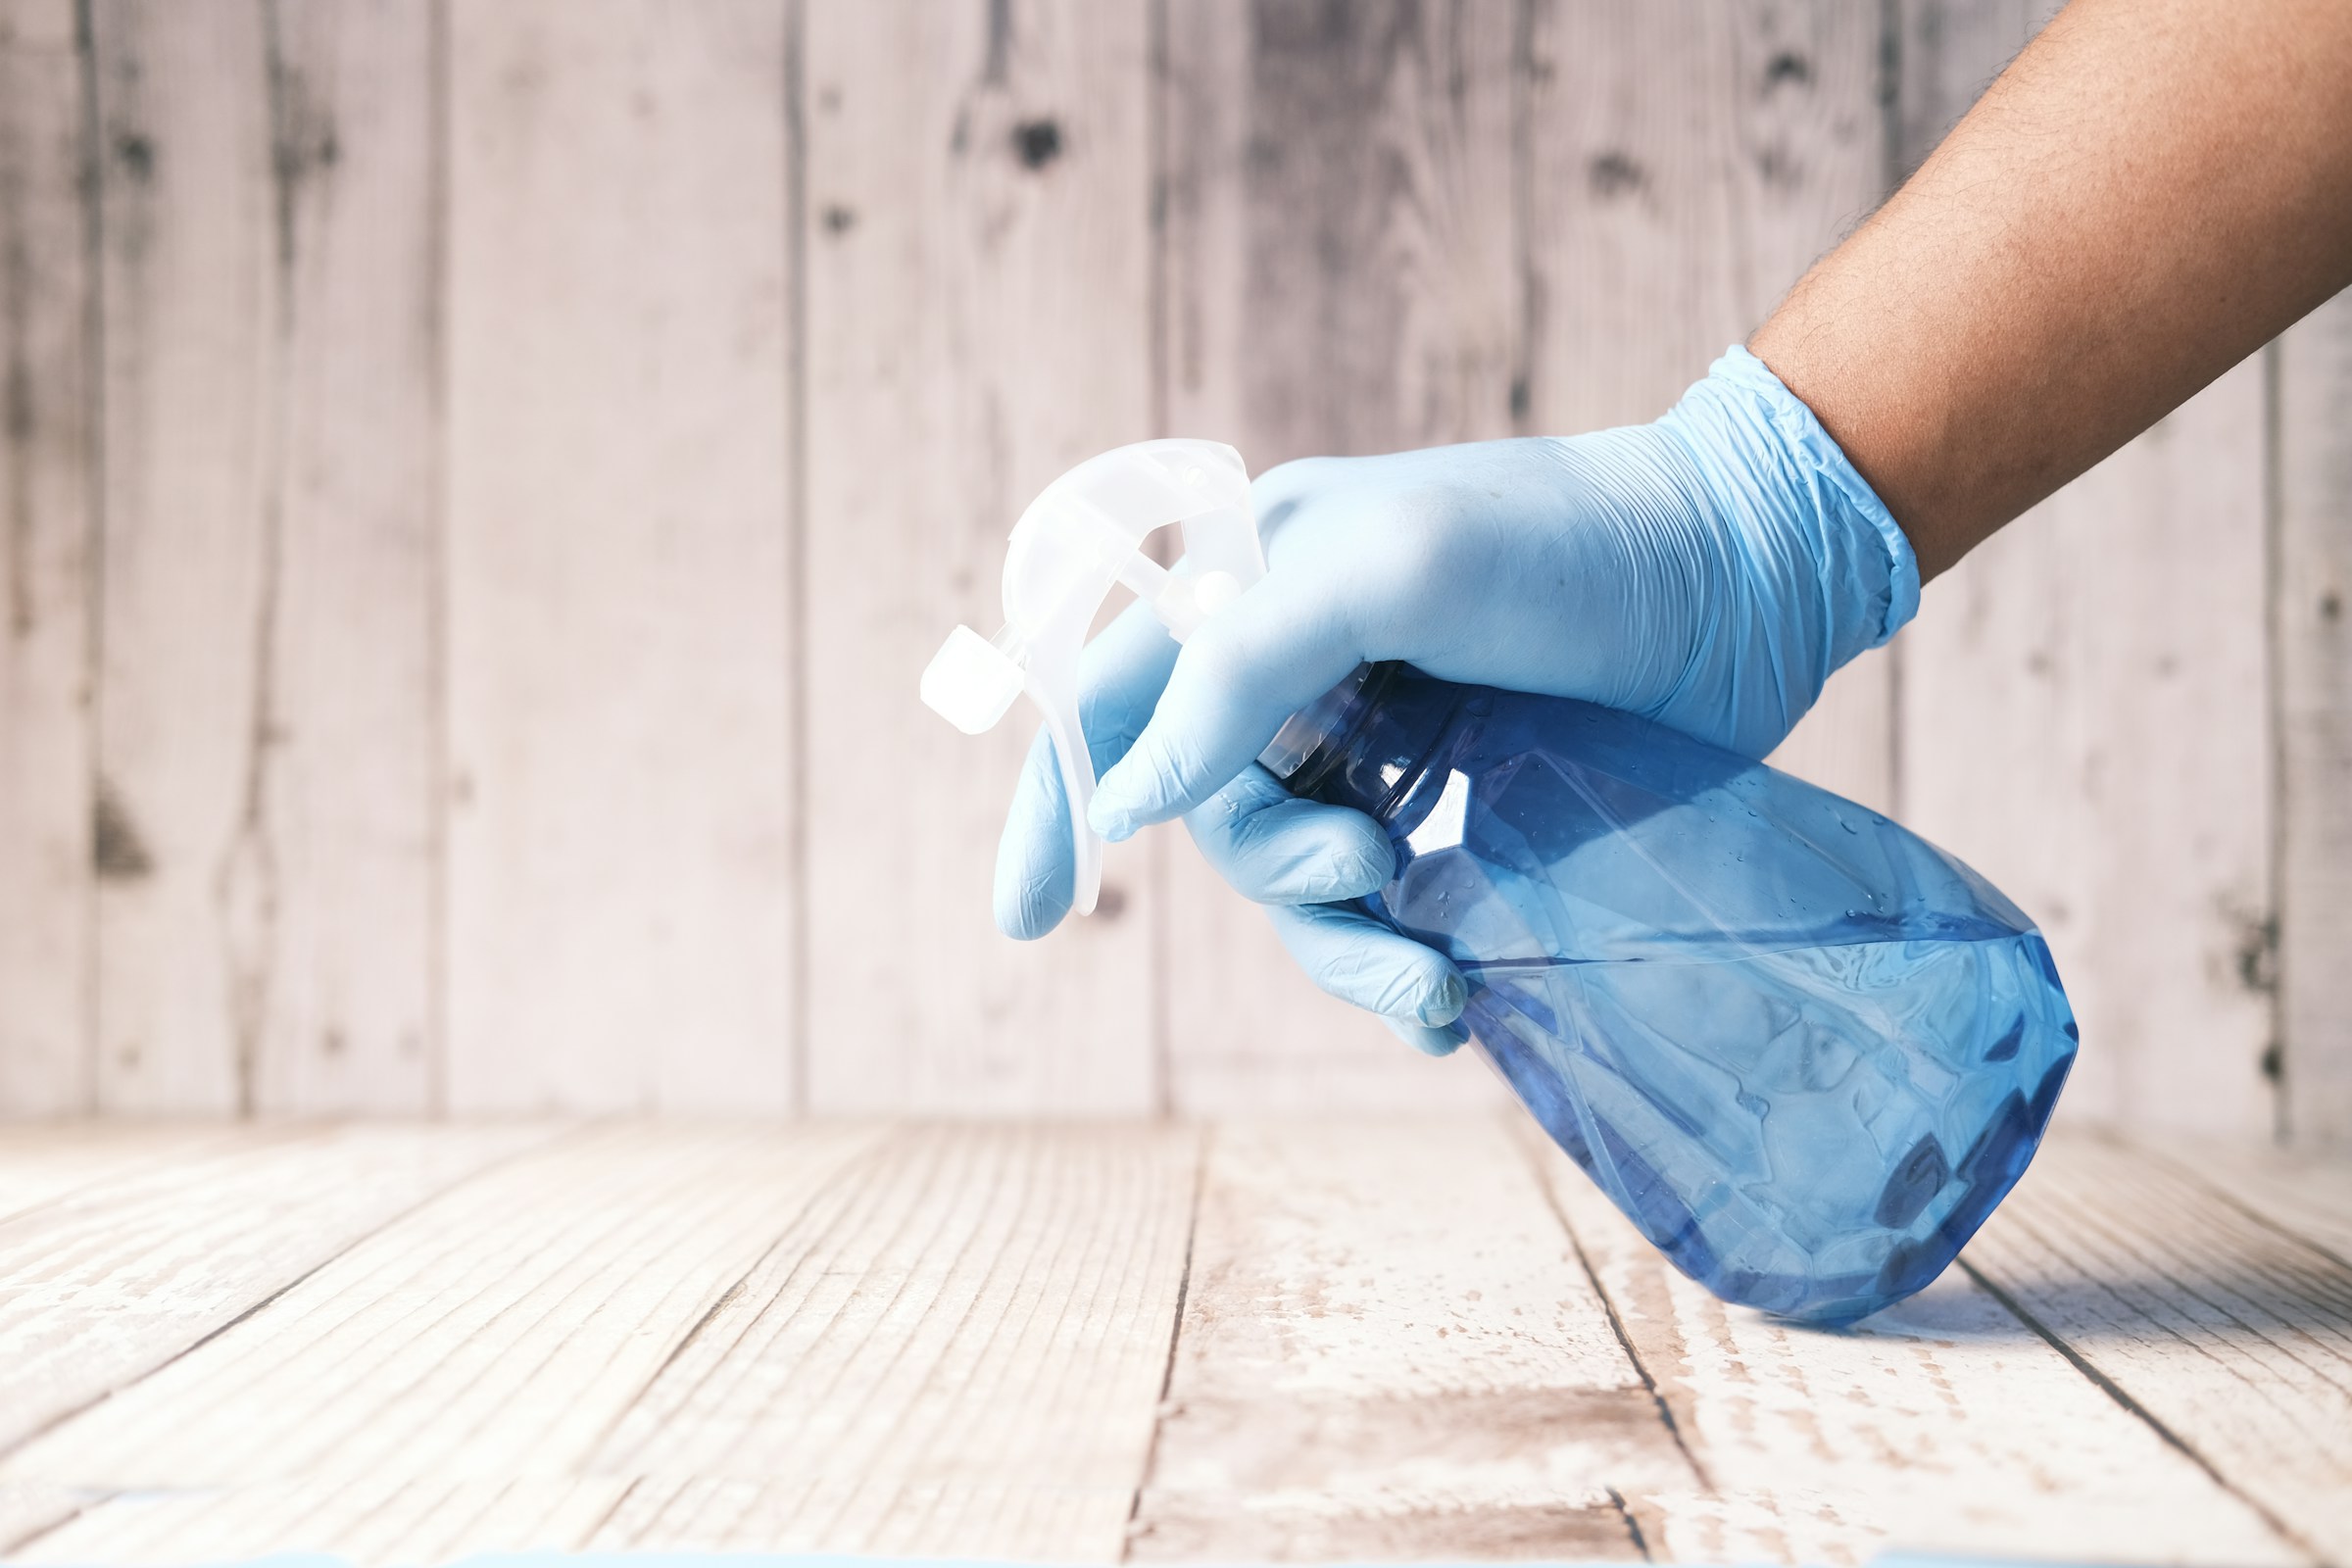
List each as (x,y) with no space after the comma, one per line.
(1095,1341)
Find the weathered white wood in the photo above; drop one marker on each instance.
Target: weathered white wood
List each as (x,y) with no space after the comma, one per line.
(2234,1335)
(262,834)
(48,1160)
(955,1351)
(2306,1192)
(28,1512)
(498,1331)
(2310,631)
(1390,1351)
(366,1523)
(978,232)
(619,573)
(1668,212)
(2084,724)
(102,1285)
(47,527)
(192,301)
(343,817)
(1941,1425)
(1340,278)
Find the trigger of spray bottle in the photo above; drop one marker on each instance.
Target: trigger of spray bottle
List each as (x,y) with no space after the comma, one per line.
(1084,533)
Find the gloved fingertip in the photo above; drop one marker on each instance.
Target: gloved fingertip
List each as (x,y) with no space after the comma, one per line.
(1109,814)
(1444,1001)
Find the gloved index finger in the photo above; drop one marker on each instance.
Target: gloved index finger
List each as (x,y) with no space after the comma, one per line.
(1120,674)
(1274,649)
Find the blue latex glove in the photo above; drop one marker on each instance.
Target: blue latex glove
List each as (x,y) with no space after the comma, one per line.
(1710,571)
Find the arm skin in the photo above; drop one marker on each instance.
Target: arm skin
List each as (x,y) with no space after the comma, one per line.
(2151,191)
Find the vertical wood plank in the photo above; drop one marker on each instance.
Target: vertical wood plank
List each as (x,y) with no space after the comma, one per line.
(978,245)
(348,1015)
(1668,212)
(2311,622)
(262,830)
(2084,721)
(191,351)
(47,529)
(618,561)
(1341,278)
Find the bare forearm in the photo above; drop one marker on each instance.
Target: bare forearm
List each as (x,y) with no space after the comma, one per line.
(2151,191)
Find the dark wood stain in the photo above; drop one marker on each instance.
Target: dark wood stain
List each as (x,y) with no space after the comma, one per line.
(117,852)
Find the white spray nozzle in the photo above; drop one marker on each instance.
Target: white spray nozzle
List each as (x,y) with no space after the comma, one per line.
(1084,533)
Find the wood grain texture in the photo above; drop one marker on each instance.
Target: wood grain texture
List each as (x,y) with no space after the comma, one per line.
(263,832)
(2302,1190)
(620,583)
(1341,278)
(47,1161)
(1942,1424)
(2231,1334)
(339,794)
(192,306)
(2310,628)
(1391,1352)
(102,1285)
(363,1522)
(978,239)
(48,498)
(1667,212)
(956,1352)
(496,1331)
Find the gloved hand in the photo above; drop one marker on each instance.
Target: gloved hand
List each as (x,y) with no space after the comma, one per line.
(1710,571)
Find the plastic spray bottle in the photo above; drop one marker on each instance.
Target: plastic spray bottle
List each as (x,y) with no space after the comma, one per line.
(1803,1049)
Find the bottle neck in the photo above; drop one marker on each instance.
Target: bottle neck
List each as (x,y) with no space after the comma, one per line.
(1367,742)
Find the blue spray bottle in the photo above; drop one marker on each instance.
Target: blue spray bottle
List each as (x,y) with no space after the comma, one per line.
(1803,1049)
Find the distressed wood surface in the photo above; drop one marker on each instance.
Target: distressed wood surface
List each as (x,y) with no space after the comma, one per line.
(463,572)
(622,764)
(261,833)
(48,1160)
(2229,1335)
(1086,1341)
(1943,1424)
(956,1352)
(516,1318)
(2306,1193)
(1390,1351)
(1341,278)
(191,304)
(1668,212)
(2311,629)
(978,237)
(103,1285)
(48,365)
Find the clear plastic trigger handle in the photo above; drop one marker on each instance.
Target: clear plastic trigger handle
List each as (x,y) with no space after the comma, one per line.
(1082,535)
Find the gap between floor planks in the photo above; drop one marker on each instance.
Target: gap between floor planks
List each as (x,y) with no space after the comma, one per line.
(1294,1315)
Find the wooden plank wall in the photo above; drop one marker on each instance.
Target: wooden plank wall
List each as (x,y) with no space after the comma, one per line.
(481,481)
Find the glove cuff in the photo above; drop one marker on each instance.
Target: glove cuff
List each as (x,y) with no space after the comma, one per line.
(1867,570)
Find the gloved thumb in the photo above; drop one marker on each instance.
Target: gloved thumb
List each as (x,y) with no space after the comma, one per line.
(1273,650)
